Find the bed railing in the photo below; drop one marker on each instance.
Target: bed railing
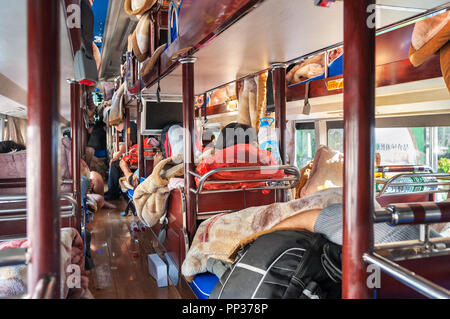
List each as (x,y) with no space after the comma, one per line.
(416,183)
(19,214)
(285,183)
(411,279)
(424,214)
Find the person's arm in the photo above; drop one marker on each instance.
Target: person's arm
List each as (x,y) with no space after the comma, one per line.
(329,222)
(118,155)
(125,168)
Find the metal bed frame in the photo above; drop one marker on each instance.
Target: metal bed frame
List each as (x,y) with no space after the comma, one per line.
(20,256)
(423,213)
(277,184)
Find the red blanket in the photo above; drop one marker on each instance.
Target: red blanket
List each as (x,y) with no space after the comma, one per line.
(241,155)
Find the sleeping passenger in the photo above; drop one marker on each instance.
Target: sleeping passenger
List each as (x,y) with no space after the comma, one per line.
(329,222)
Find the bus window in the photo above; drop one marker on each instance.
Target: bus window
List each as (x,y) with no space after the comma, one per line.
(335,135)
(403,145)
(443,149)
(305,143)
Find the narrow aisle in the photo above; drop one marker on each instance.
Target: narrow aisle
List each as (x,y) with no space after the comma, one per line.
(120,259)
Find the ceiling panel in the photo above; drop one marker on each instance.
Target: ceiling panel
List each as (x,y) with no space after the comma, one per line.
(13,61)
(278,31)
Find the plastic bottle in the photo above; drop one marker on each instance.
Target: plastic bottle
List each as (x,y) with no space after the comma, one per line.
(134,227)
(141,226)
(267,138)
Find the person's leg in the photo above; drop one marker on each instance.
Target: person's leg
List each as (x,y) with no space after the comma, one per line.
(89,156)
(115,173)
(85,182)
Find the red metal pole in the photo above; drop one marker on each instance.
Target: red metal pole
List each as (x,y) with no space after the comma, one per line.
(126,125)
(188,128)
(279,93)
(83,129)
(359,122)
(140,140)
(116,139)
(43,223)
(76,148)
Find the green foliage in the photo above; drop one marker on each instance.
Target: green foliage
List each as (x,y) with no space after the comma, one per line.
(444,165)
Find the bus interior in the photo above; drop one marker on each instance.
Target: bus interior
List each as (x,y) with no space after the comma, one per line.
(119,179)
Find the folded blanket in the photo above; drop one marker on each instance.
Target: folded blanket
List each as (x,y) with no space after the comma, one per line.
(140,38)
(150,197)
(247,101)
(138,7)
(116,113)
(218,236)
(306,69)
(13,280)
(431,36)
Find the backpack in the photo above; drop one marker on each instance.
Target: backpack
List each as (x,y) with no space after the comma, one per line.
(284,265)
(166,149)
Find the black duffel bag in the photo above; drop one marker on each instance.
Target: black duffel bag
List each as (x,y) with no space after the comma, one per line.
(284,265)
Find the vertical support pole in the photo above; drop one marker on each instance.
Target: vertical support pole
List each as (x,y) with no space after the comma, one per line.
(188,129)
(116,139)
(126,125)
(140,140)
(43,223)
(279,93)
(157,29)
(75,114)
(359,122)
(83,129)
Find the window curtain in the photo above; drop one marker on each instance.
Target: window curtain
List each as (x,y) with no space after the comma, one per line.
(290,143)
(15,130)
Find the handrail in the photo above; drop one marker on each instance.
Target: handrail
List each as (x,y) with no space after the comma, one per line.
(10,199)
(412,280)
(414,213)
(45,287)
(402,168)
(22,182)
(433,183)
(13,257)
(289,169)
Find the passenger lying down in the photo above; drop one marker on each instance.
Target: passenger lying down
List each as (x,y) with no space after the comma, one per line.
(321,212)
(329,222)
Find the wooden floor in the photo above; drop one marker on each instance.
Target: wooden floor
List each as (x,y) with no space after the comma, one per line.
(121,268)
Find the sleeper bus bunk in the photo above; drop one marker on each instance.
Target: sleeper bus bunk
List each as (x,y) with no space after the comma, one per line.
(405,272)
(38,206)
(408,192)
